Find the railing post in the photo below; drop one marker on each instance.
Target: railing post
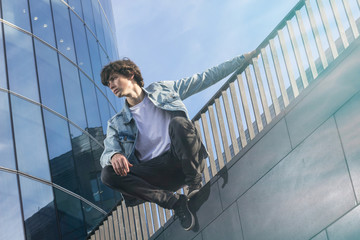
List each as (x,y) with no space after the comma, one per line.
(270,81)
(339,24)
(278,72)
(330,39)
(230,122)
(288,65)
(350,18)
(306,45)
(206,170)
(208,144)
(216,137)
(220,117)
(297,54)
(316,34)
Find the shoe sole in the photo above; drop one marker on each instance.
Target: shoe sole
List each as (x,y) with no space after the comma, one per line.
(192,194)
(192,220)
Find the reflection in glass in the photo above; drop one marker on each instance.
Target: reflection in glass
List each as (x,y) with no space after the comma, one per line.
(107,195)
(19,53)
(3,83)
(88,15)
(104,110)
(76,6)
(84,164)
(82,51)
(41,19)
(98,24)
(63,32)
(60,152)
(91,105)
(92,216)
(71,219)
(95,58)
(11,226)
(29,138)
(106,33)
(49,78)
(39,210)
(6,140)
(73,95)
(16,12)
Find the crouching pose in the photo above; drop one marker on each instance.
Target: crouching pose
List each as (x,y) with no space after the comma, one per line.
(152,148)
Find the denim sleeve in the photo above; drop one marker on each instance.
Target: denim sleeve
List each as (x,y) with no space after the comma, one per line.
(111,145)
(198,82)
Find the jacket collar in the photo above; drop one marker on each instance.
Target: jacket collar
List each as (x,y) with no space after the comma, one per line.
(125,112)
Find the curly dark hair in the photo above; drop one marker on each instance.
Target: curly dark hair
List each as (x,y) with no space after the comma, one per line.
(125,67)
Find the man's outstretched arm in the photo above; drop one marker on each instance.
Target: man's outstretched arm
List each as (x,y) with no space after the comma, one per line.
(198,82)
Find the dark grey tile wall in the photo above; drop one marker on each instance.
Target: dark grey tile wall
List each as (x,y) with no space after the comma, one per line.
(348,121)
(320,236)
(302,194)
(255,163)
(347,228)
(226,226)
(206,212)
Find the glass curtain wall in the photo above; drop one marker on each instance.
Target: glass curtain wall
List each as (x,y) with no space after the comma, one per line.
(53,116)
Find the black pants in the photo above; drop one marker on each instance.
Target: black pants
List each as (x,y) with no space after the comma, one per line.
(156,180)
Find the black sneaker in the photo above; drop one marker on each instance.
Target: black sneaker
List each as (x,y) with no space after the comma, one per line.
(182,211)
(193,189)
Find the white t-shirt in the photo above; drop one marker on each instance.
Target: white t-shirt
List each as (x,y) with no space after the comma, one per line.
(153,125)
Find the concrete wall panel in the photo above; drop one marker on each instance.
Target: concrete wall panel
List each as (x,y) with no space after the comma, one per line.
(255,163)
(303,193)
(348,121)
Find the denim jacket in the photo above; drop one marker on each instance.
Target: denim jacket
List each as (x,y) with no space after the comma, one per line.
(167,95)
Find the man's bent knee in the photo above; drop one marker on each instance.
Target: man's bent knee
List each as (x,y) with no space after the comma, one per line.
(107,174)
(180,125)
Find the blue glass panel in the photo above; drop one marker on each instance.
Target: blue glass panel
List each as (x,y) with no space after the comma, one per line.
(107,34)
(92,216)
(60,152)
(41,19)
(11,226)
(6,140)
(107,195)
(49,78)
(39,210)
(98,22)
(70,216)
(76,6)
(104,110)
(88,15)
(63,32)
(95,58)
(29,138)
(84,164)
(91,105)
(82,50)
(112,98)
(73,95)
(20,62)
(3,82)
(16,12)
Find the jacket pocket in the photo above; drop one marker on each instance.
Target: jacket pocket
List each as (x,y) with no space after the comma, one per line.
(126,142)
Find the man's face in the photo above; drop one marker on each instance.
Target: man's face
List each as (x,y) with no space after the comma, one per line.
(120,85)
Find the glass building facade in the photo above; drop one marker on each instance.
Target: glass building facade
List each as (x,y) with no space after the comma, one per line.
(53,115)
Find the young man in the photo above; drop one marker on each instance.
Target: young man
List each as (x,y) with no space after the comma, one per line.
(152,148)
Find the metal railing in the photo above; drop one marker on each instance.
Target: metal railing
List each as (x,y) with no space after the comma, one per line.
(303,45)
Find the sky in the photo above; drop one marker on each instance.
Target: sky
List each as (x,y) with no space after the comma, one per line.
(170,40)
